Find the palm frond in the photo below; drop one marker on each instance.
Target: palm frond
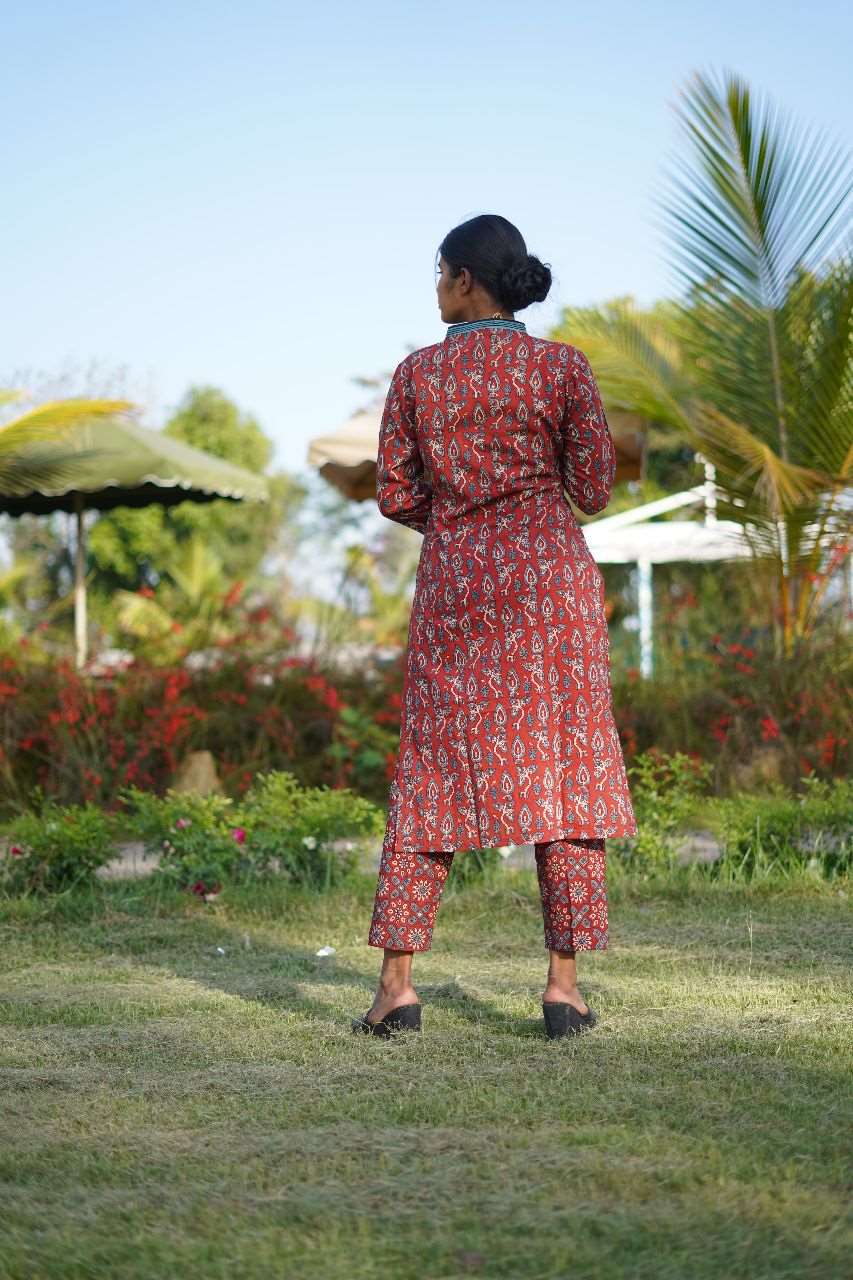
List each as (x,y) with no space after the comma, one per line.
(142,617)
(47,425)
(635,357)
(51,470)
(752,465)
(818,316)
(54,417)
(198,574)
(759,197)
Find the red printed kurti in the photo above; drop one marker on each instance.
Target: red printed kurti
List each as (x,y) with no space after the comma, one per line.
(507,732)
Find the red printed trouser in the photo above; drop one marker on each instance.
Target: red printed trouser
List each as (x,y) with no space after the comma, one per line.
(572,886)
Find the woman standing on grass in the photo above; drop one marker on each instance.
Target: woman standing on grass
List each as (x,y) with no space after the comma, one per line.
(507,732)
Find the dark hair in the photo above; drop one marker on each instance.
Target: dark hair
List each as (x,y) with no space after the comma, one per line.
(494,252)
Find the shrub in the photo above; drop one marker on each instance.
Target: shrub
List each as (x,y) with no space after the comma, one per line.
(753,714)
(778,832)
(306,834)
(664,789)
(79,736)
(199,839)
(309,831)
(56,849)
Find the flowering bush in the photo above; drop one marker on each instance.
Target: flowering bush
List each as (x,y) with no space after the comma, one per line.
(307,834)
(74,735)
(754,717)
(55,849)
(729,701)
(200,840)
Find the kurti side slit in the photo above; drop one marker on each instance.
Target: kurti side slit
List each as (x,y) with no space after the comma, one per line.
(507,732)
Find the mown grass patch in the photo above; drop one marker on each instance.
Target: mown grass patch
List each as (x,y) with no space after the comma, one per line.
(183,1096)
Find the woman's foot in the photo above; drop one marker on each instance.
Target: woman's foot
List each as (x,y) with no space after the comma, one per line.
(388,998)
(565,995)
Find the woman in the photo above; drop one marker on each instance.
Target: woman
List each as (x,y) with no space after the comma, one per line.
(507,731)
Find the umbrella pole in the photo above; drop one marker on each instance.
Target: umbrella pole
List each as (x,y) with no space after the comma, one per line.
(80,583)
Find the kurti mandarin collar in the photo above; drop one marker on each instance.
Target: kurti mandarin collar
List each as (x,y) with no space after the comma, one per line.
(488,322)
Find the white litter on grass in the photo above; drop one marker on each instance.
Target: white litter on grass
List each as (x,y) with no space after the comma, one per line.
(325,951)
(221,950)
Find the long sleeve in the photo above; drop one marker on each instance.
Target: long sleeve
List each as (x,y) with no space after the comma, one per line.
(588,454)
(402,491)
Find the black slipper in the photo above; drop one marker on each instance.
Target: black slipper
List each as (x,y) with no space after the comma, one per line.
(406,1017)
(562,1019)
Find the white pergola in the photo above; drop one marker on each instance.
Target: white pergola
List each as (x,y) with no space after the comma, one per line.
(629,538)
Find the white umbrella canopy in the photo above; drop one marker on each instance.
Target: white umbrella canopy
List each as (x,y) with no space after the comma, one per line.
(346,457)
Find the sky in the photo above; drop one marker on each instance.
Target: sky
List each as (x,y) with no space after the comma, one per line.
(252,195)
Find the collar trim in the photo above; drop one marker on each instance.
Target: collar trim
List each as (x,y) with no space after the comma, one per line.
(488,322)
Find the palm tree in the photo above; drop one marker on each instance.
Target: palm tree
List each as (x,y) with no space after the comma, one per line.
(754,366)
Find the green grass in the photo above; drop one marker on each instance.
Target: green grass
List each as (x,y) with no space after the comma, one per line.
(170,1111)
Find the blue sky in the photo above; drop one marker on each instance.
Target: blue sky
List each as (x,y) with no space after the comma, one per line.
(251,195)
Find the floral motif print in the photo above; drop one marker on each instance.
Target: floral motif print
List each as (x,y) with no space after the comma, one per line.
(507,732)
(572,888)
(408,892)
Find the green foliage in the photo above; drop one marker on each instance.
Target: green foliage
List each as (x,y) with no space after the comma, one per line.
(778,833)
(753,369)
(56,849)
(474,867)
(309,831)
(664,789)
(135,549)
(198,838)
(305,834)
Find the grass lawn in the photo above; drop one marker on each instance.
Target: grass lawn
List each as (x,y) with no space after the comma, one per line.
(169,1110)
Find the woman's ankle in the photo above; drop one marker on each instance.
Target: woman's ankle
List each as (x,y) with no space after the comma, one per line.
(564,995)
(394,988)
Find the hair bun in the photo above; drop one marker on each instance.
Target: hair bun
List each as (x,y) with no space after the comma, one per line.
(524,281)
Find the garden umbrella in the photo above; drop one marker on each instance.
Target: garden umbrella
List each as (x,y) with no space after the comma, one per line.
(101,464)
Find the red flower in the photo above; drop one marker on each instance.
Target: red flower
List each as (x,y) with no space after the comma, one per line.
(827,746)
(720,727)
(769,728)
